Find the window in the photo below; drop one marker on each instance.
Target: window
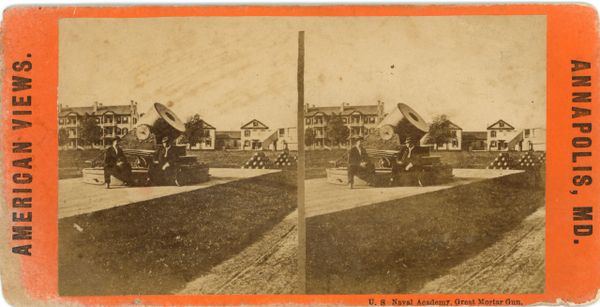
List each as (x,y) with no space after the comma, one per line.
(372,120)
(118,130)
(493,134)
(246,143)
(501,124)
(455,143)
(345,120)
(125,119)
(527,132)
(97,120)
(246,132)
(255,123)
(206,133)
(307,121)
(281,132)
(453,133)
(207,142)
(134,120)
(493,144)
(118,119)
(124,130)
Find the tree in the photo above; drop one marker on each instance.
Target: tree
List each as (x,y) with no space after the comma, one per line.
(63,137)
(337,132)
(89,132)
(439,131)
(194,130)
(310,136)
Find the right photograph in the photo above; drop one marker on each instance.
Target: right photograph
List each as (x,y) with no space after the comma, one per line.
(425,145)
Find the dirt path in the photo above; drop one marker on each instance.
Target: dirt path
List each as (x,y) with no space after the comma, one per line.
(266,267)
(514,264)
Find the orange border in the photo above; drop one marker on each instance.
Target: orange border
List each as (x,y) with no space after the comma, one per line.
(571,270)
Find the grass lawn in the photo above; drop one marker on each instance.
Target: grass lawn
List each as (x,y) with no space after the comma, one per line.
(397,246)
(71,162)
(157,246)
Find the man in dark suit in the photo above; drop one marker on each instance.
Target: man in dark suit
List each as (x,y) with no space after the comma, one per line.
(116,164)
(359,164)
(164,170)
(407,160)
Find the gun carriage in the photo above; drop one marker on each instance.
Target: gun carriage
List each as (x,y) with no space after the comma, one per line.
(384,149)
(140,146)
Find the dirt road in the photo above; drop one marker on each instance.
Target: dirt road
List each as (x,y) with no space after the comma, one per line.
(266,267)
(514,264)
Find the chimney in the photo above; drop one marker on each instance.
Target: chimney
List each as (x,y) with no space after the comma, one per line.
(380,109)
(95,106)
(342,108)
(306,107)
(132,107)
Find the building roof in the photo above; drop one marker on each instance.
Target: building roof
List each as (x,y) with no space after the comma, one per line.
(348,109)
(474,135)
(228,134)
(254,124)
(117,109)
(454,126)
(497,124)
(206,125)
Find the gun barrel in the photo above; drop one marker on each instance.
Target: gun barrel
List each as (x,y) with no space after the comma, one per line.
(160,121)
(402,121)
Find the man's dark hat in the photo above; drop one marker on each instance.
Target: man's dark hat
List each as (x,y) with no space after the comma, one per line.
(117,138)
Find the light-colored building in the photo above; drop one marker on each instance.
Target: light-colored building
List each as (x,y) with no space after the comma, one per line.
(208,140)
(455,141)
(361,120)
(114,120)
(257,136)
(534,139)
(287,136)
(503,137)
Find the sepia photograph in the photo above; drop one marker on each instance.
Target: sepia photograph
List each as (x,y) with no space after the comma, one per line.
(178,155)
(425,143)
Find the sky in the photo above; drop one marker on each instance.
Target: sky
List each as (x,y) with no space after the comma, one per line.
(474,69)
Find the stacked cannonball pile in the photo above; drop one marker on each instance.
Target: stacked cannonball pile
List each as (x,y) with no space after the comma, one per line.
(542,158)
(528,161)
(285,160)
(501,162)
(258,160)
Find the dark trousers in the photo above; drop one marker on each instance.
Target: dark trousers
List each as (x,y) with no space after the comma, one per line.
(122,173)
(365,173)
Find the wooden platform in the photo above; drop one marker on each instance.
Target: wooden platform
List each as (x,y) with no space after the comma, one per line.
(76,197)
(323,198)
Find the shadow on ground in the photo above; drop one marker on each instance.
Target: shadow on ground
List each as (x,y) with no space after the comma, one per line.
(157,246)
(397,246)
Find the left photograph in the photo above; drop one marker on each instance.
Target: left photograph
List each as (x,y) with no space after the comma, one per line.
(178,154)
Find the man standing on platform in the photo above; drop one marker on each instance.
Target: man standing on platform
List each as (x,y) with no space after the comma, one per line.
(115,164)
(359,164)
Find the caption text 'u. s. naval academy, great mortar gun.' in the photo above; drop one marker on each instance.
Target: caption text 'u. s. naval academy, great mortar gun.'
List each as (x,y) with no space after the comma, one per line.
(140,147)
(385,149)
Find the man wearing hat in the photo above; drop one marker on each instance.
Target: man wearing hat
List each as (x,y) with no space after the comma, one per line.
(359,164)
(164,170)
(116,164)
(405,160)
